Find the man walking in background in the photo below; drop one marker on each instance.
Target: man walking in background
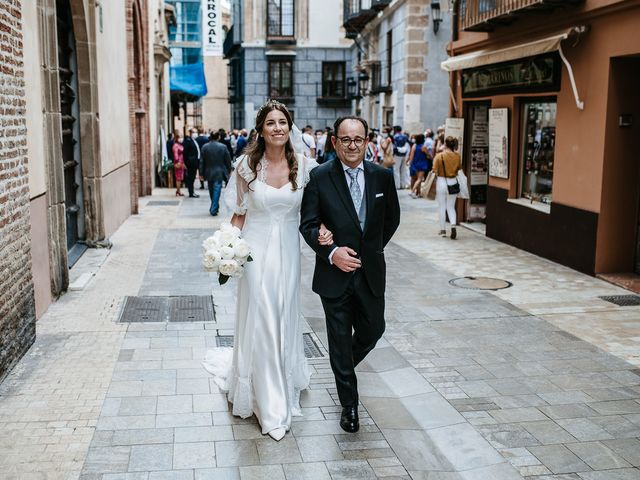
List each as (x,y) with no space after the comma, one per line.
(191,160)
(309,142)
(401,148)
(215,167)
(201,140)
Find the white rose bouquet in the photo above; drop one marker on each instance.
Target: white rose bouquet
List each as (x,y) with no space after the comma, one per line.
(226,252)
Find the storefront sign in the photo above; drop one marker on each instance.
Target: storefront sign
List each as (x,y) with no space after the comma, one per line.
(499,142)
(454,127)
(532,74)
(212,28)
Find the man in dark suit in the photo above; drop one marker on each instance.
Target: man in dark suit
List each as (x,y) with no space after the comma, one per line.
(191,160)
(215,167)
(357,201)
(201,140)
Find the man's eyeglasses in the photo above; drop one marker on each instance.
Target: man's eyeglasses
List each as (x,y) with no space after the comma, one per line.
(347,141)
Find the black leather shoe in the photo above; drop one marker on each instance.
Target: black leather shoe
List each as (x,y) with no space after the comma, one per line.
(349,419)
(195,195)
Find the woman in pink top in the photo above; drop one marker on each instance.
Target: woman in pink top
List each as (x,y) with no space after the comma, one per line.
(178,163)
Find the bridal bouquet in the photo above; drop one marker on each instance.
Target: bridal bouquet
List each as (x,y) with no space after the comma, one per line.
(226,253)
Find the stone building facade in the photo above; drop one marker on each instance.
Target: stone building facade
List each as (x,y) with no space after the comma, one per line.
(296,54)
(17,307)
(76,149)
(396,56)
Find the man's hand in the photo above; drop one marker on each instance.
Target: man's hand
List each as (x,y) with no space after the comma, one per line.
(325,237)
(346,259)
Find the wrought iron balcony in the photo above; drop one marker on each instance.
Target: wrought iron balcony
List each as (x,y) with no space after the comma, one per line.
(232,42)
(486,15)
(357,13)
(378,5)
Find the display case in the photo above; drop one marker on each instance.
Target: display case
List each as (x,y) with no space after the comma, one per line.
(538,145)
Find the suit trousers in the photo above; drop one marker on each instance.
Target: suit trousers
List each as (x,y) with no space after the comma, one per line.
(190,178)
(355,323)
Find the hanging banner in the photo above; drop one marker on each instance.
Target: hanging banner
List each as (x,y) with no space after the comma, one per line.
(212,38)
(499,142)
(454,127)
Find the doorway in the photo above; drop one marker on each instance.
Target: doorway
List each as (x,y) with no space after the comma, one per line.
(70,114)
(618,240)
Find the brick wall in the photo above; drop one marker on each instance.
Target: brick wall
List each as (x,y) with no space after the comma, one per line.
(17,308)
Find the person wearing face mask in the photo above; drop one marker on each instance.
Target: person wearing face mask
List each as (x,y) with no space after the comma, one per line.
(386,147)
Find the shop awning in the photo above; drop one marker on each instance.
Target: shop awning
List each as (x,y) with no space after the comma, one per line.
(515,52)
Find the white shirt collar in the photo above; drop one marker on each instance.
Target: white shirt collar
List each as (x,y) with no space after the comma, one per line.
(359,166)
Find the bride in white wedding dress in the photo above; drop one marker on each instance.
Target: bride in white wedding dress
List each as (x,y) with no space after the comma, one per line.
(268,369)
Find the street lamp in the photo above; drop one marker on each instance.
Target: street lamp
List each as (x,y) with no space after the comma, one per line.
(351,87)
(436,15)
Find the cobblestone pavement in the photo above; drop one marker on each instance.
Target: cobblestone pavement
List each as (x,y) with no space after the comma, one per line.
(528,382)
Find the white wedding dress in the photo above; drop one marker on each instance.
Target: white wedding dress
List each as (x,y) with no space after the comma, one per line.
(266,370)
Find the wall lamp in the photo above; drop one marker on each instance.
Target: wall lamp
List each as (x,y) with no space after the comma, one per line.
(436,15)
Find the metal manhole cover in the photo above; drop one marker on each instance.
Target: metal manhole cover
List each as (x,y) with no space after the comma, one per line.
(159,203)
(167,309)
(622,300)
(480,283)
(311,349)
(144,309)
(191,309)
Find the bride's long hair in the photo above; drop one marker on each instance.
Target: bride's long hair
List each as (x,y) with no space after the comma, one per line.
(255,150)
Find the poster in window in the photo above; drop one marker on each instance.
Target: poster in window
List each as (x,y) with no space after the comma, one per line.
(212,28)
(499,142)
(454,127)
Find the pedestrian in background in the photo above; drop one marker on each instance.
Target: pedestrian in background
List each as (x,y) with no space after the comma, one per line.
(309,143)
(371,154)
(446,166)
(191,160)
(439,144)
(225,139)
(401,149)
(329,149)
(215,165)
(177,150)
(202,139)
(418,161)
(386,146)
(321,138)
(241,142)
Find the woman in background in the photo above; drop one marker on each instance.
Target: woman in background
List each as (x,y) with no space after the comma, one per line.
(418,162)
(446,166)
(178,162)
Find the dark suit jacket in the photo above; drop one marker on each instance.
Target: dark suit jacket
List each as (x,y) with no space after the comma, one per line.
(215,162)
(202,140)
(327,200)
(190,153)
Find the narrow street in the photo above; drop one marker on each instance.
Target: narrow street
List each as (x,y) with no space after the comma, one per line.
(538,380)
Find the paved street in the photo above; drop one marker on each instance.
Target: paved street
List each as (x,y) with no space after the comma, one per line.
(540,380)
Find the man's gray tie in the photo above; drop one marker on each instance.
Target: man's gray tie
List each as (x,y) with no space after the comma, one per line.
(354,188)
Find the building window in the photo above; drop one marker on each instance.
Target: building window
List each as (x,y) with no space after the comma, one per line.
(188,26)
(538,145)
(333,79)
(280,18)
(281,79)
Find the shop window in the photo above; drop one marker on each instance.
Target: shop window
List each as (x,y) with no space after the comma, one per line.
(538,145)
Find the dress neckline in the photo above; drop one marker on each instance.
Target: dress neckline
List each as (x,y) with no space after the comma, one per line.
(275,188)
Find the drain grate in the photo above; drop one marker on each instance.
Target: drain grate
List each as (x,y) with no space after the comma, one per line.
(144,309)
(311,349)
(159,203)
(191,309)
(224,341)
(167,309)
(480,283)
(622,300)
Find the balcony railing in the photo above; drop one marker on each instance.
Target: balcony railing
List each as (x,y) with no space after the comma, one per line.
(378,5)
(357,13)
(486,15)
(232,42)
